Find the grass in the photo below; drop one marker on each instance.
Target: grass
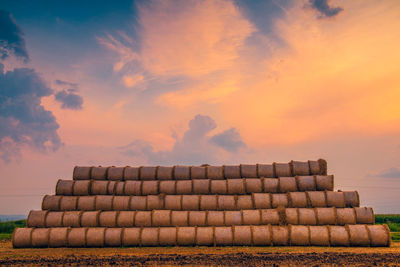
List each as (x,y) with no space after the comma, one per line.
(7,228)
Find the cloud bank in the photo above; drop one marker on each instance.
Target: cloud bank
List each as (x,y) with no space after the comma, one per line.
(325,10)
(69,99)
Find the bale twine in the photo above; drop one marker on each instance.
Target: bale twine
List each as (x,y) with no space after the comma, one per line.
(254,185)
(119,188)
(184,187)
(167,236)
(179,218)
(186,236)
(290,216)
(316,199)
(112,237)
(82,188)
(219,187)
(185,172)
(148,173)
(164,173)
(215,172)
(243,202)
(138,203)
(365,215)
(86,203)
(338,235)
(90,218)
(300,168)
(201,186)
(133,188)
(143,218)
(269,216)
(265,170)
(223,236)
(335,199)
(208,202)
(231,171)
(99,173)
(359,235)
(58,237)
(111,187)
(54,219)
(324,182)
(121,203)
(64,187)
(150,187)
(99,187)
(108,219)
(233,217)
(161,218)
(287,184)
(307,216)
(126,219)
(326,216)
(37,218)
(270,185)
(51,202)
(279,200)
(131,173)
(242,235)
(352,199)
(72,219)
(115,173)
(280,235)
(95,237)
(40,237)
(204,236)
(251,217)
(299,235)
(215,218)
(104,202)
(77,237)
(262,235)
(319,236)
(297,199)
(380,235)
(173,202)
(131,237)
(262,201)
(167,187)
(155,202)
(282,170)
(306,183)
(248,171)
(81,173)
(197,218)
(346,216)
(190,202)
(22,238)
(236,186)
(69,203)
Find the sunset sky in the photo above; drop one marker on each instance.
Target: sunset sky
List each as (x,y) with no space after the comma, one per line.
(192,82)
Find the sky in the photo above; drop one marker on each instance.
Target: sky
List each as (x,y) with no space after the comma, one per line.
(164,82)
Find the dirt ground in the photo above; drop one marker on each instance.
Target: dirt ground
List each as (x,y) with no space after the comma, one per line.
(203,256)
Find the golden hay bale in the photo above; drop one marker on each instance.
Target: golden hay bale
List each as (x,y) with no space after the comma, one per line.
(282,170)
(131,173)
(81,173)
(155,203)
(184,187)
(161,218)
(215,218)
(326,216)
(119,188)
(173,202)
(248,171)
(167,236)
(291,216)
(164,173)
(99,173)
(131,237)
(208,202)
(254,185)
(54,219)
(306,183)
(150,188)
(52,202)
(297,199)
(99,187)
(138,203)
(270,185)
(115,173)
(339,235)
(148,173)
(133,188)
(335,199)
(215,172)
(65,187)
(231,171)
(179,218)
(299,235)
(317,199)
(72,218)
(104,202)
(307,216)
(352,199)
(70,203)
(319,236)
(108,219)
(197,218)
(37,218)
(280,235)
(190,202)
(269,216)
(236,186)
(251,217)
(40,237)
(262,201)
(167,187)
(204,236)
(186,236)
(126,219)
(90,218)
(184,173)
(265,170)
(287,184)
(121,203)
(86,203)
(346,216)
(143,218)
(223,236)
(300,168)
(112,237)
(233,217)
(324,182)
(82,188)
(22,238)
(111,187)
(201,186)
(58,237)
(262,235)
(243,202)
(359,235)
(365,215)
(279,200)
(380,235)
(77,237)
(314,167)
(219,187)
(242,235)
(95,237)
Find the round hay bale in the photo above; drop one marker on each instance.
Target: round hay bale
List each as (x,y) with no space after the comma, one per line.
(236,186)
(208,202)
(81,173)
(77,237)
(338,235)
(150,188)
(115,173)
(262,201)
(99,173)
(179,218)
(269,216)
(231,171)
(190,202)
(131,173)
(161,218)
(184,172)
(319,236)
(215,172)
(90,218)
(291,216)
(137,203)
(121,203)
(219,187)
(72,219)
(324,182)
(40,237)
(248,171)
(297,199)
(111,187)
(164,173)
(323,166)
(69,203)
(282,170)
(112,237)
(233,217)
(104,202)
(261,235)
(317,199)
(346,216)
(270,185)
(359,235)
(22,238)
(335,199)
(58,237)
(380,235)
(314,167)
(37,218)
(352,199)
(184,187)
(204,236)
(223,236)
(148,173)
(201,186)
(155,202)
(64,187)
(186,236)
(82,188)
(131,237)
(242,235)
(307,216)
(251,217)
(173,202)
(167,187)
(265,170)
(86,203)
(228,202)
(108,219)
(326,216)
(254,185)
(95,237)
(133,188)
(299,235)
(215,218)
(125,219)
(243,202)
(143,218)
(119,188)
(300,168)
(52,202)
(280,235)
(306,183)
(279,200)
(54,219)
(197,218)
(99,187)
(365,215)
(287,184)
(167,236)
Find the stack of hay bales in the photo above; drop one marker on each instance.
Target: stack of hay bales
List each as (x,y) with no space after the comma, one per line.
(280,204)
